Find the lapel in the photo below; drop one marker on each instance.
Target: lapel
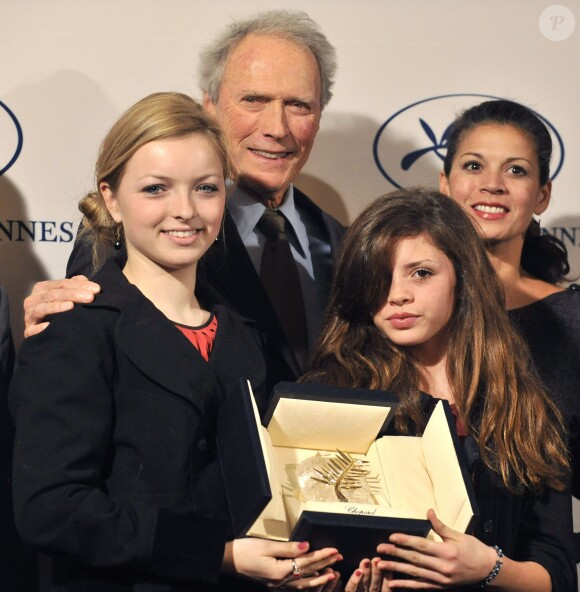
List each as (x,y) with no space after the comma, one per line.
(154,345)
(229,269)
(333,228)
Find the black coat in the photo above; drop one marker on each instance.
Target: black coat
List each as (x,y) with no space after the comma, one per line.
(115,457)
(18,569)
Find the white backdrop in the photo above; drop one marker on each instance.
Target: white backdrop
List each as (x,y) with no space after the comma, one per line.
(68,68)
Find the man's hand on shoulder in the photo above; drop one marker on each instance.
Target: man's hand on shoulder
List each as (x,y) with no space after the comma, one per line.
(54,296)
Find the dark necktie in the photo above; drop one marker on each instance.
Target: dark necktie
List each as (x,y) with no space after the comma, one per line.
(279,276)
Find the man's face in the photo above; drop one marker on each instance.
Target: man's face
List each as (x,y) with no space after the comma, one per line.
(269,107)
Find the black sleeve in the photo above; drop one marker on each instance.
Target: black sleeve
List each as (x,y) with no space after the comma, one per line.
(18,569)
(546,537)
(6,343)
(528,526)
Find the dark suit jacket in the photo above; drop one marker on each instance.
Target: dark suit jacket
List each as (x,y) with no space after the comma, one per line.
(115,470)
(228,268)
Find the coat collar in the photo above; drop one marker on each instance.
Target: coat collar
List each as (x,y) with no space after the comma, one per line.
(156,347)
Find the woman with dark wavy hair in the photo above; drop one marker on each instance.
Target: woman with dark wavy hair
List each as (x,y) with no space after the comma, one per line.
(416,308)
(498,168)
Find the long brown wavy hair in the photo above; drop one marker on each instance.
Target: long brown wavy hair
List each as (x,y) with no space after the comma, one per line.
(518,428)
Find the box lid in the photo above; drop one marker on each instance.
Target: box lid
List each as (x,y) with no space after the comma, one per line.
(296,418)
(467,514)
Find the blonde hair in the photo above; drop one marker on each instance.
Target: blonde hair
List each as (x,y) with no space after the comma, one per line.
(159,116)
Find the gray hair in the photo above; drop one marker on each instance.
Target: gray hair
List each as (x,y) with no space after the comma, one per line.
(293,25)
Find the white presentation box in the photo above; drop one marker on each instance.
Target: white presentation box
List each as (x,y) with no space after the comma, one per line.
(410,474)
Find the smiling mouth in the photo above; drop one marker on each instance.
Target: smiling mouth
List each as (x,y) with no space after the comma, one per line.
(182,233)
(270,155)
(490,209)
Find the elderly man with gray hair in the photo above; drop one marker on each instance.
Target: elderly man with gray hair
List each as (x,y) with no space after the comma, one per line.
(266,80)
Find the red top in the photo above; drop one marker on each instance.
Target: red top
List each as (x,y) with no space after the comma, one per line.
(461,429)
(202,337)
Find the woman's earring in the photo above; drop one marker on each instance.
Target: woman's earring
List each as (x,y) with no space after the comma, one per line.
(117,243)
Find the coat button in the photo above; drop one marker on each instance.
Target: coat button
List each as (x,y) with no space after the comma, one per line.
(202,445)
(488,526)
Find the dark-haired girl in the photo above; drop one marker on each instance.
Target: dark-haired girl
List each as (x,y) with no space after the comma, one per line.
(416,308)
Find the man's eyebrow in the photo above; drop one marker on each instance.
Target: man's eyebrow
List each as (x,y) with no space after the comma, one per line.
(254,93)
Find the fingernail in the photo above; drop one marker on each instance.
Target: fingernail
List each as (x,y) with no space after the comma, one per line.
(358,572)
(303,545)
(367,563)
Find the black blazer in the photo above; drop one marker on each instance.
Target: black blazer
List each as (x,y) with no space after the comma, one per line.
(115,470)
(229,269)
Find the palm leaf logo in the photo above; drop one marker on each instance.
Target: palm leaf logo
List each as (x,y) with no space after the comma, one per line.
(436,145)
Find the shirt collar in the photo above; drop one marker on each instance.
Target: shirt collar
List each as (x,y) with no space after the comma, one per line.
(246,211)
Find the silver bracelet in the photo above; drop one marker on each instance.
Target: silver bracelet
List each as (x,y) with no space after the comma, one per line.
(493,573)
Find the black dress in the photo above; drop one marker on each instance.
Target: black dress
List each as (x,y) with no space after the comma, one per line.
(551,328)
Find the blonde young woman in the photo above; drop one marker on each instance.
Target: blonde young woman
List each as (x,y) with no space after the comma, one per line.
(116,474)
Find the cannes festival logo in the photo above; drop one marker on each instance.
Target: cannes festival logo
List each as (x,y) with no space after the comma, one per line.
(10,138)
(410,146)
